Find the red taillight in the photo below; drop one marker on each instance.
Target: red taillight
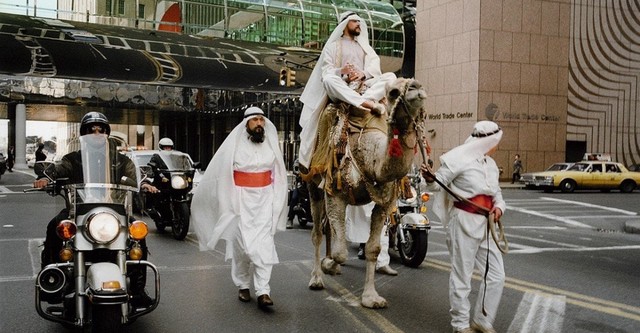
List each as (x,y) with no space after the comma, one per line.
(66,230)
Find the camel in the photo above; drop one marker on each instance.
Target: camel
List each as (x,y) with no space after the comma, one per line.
(379,152)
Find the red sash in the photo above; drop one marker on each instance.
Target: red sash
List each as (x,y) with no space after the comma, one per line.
(483,200)
(252,179)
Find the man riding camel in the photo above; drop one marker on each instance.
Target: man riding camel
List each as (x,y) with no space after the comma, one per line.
(346,66)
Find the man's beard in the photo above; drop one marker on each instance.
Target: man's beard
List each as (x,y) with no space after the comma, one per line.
(354,32)
(256,135)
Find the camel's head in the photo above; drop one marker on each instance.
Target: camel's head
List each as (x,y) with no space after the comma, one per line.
(405,100)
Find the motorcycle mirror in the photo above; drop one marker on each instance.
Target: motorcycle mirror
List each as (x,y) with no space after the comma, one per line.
(44,169)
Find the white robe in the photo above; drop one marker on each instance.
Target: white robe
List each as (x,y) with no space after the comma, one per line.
(315,96)
(358,228)
(220,210)
(468,172)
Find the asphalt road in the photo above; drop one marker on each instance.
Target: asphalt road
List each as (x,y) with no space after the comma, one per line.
(571,268)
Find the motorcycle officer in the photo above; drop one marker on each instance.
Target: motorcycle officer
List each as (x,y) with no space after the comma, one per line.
(156,162)
(93,123)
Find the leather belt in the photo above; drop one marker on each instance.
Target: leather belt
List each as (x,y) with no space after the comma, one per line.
(252,179)
(483,200)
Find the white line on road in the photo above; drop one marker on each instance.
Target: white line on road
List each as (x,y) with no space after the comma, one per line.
(574,249)
(539,313)
(34,254)
(555,227)
(4,190)
(626,217)
(550,217)
(622,211)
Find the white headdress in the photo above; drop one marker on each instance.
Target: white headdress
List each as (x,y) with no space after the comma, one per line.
(485,135)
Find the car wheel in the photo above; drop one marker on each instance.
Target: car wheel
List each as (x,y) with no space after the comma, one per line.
(568,185)
(627,186)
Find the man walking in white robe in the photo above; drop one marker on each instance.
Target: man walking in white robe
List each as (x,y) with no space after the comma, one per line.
(470,172)
(242,199)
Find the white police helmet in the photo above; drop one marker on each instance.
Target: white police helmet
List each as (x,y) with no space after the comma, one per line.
(165,142)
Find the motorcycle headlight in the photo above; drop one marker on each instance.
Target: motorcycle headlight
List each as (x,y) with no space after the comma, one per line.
(179,182)
(103,227)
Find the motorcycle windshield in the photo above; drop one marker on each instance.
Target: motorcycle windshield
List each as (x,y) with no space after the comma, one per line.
(107,174)
(174,161)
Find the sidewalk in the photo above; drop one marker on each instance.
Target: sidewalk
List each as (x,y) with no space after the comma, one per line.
(508,185)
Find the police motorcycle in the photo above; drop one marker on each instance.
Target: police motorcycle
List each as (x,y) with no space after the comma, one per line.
(408,223)
(88,288)
(172,172)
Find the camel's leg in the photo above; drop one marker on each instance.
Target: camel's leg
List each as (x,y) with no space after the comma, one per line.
(318,214)
(370,297)
(336,209)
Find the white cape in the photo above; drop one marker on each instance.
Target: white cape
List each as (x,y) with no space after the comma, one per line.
(215,208)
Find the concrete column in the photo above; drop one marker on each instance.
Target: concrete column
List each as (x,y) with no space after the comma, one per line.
(21,137)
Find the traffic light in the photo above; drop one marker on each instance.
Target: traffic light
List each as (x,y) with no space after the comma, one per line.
(291,77)
(283,76)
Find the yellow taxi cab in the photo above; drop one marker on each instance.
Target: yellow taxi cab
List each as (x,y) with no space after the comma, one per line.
(598,175)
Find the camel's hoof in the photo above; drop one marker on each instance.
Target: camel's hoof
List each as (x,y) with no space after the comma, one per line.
(374,302)
(316,283)
(329,266)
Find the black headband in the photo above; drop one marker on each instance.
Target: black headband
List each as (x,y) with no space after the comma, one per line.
(346,17)
(482,135)
(254,114)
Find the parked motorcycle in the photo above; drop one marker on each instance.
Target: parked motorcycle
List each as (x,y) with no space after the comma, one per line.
(172,173)
(88,288)
(409,226)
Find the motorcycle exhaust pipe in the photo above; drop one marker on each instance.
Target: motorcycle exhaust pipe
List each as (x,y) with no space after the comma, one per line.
(51,280)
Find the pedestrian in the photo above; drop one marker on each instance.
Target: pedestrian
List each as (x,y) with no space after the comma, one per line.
(11,158)
(40,155)
(358,225)
(517,168)
(242,199)
(347,63)
(469,171)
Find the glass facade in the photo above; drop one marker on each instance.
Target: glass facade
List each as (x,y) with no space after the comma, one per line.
(302,23)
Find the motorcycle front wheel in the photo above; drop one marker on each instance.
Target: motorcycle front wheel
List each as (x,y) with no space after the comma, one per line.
(414,250)
(180,226)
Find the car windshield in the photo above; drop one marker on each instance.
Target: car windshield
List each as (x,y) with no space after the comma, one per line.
(174,161)
(557,167)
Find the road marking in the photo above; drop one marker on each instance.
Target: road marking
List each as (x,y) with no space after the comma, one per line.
(350,300)
(583,301)
(550,217)
(3,189)
(538,313)
(621,211)
(34,254)
(555,227)
(626,217)
(575,249)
